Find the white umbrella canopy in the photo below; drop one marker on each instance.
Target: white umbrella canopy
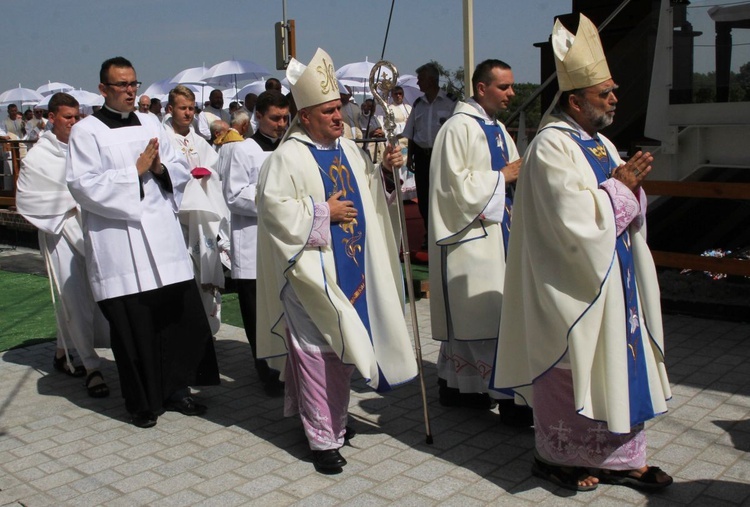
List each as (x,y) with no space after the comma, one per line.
(411,90)
(161,87)
(357,71)
(84,98)
(54,87)
(193,75)
(19,96)
(235,70)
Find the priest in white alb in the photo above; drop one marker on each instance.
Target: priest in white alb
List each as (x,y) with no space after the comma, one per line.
(474,162)
(581,331)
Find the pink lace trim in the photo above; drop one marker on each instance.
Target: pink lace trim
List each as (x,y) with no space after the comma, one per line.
(626,206)
(321,230)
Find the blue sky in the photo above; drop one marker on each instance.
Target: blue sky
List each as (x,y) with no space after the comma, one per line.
(66,40)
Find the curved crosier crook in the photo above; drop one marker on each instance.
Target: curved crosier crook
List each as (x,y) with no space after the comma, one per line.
(381,87)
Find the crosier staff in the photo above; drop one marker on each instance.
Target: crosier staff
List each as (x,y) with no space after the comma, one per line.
(385,85)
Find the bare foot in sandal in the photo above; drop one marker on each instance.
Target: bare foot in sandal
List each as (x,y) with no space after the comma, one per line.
(568,477)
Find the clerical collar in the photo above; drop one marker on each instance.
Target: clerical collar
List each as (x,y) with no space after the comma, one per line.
(115,111)
(479,109)
(116,119)
(271,140)
(330,146)
(582,133)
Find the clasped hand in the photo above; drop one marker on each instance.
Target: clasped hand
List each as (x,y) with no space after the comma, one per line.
(634,171)
(149,160)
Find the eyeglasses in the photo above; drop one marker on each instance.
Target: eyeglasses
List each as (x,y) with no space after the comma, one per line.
(123,86)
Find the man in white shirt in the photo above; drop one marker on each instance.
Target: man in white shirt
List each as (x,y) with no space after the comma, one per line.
(428,114)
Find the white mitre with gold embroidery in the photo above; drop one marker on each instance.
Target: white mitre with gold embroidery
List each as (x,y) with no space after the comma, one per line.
(314,83)
(579,58)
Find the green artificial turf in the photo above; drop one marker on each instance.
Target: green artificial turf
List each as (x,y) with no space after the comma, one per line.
(230,310)
(27,316)
(26,312)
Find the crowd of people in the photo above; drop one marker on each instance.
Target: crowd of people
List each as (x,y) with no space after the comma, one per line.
(543,290)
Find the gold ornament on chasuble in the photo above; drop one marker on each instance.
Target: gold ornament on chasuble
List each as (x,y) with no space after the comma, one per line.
(341,178)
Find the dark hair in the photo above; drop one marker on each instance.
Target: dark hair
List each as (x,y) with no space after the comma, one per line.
(61,99)
(273,84)
(270,98)
(564,102)
(117,61)
(483,72)
(429,69)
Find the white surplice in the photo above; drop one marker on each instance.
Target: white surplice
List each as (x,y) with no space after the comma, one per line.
(205,220)
(127,233)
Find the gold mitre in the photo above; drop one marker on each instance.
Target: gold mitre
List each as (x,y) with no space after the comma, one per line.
(314,83)
(579,58)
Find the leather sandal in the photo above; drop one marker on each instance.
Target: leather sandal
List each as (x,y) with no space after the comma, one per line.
(99,390)
(61,364)
(564,476)
(654,478)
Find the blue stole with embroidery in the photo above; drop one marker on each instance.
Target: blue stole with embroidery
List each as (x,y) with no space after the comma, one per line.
(641,408)
(499,152)
(348,239)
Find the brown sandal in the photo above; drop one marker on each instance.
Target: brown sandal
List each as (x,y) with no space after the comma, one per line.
(653,479)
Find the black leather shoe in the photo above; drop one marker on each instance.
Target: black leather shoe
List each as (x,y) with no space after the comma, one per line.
(143,420)
(274,388)
(330,461)
(186,406)
(350,433)
(515,416)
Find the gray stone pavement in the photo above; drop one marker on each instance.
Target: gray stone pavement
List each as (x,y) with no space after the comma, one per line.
(60,447)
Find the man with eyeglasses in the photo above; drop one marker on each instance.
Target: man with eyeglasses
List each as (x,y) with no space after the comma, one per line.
(129,182)
(581,333)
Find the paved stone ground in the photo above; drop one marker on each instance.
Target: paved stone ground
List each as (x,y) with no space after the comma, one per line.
(59,447)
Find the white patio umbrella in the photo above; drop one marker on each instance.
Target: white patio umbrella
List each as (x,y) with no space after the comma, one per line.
(54,87)
(19,96)
(237,70)
(193,75)
(84,98)
(161,87)
(357,71)
(411,90)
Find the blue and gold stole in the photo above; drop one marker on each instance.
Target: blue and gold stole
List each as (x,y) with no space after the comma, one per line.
(641,408)
(347,239)
(498,146)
